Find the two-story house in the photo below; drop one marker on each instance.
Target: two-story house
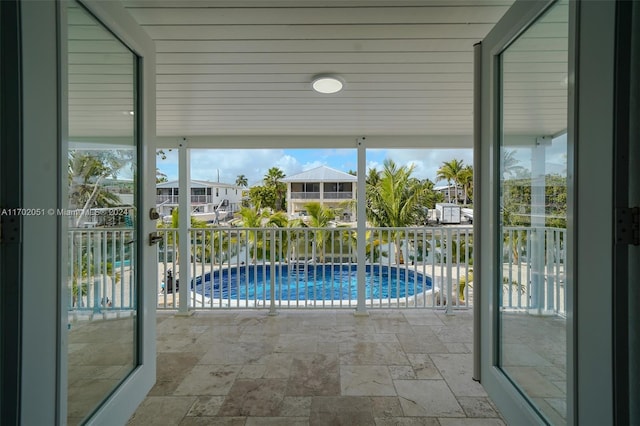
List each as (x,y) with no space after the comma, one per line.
(330,187)
(210,201)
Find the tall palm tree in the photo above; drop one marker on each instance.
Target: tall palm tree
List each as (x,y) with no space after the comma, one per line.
(450,171)
(86,171)
(510,164)
(466,180)
(319,217)
(259,245)
(242,181)
(396,201)
(273,179)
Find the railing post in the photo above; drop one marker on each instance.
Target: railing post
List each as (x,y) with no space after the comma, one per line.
(272,273)
(184,222)
(97,268)
(361,309)
(449,252)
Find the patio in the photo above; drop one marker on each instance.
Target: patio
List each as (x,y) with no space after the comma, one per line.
(316,367)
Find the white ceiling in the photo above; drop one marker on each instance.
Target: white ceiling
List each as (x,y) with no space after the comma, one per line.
(245,67)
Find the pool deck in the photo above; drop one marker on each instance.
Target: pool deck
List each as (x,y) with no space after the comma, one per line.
(309,367)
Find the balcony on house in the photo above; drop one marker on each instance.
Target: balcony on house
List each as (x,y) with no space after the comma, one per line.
(331,188)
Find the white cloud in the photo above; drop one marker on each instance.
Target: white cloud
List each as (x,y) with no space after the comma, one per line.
(426,161)
(254,163)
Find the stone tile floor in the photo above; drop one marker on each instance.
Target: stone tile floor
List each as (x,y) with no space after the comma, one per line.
(316,368)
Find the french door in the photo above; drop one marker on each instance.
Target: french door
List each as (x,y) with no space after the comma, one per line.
(88,321)
(546,148)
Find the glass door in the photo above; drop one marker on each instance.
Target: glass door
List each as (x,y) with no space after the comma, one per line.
(102,270)
(108,359)
(532,217)
(525,162)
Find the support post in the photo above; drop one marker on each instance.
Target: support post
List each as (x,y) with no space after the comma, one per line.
(184,221)
(477,208)
(361,229)
(449,254)
(538,223)
(272,271)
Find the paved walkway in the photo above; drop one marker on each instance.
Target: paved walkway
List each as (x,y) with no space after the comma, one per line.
(316,368)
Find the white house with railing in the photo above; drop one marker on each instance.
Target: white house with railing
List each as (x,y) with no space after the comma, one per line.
(330,187)
(451,192)
(210,201)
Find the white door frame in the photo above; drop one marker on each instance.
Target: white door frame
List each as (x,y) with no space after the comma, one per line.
(44,118)
(123,402)
(590,226)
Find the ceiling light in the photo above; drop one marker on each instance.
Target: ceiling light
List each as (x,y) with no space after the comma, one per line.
(326,83)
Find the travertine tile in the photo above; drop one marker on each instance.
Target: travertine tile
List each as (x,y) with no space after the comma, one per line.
(208,380)
(313,375)
(427,398)
(344,410)
(254,397)
(407,421)
(457,370)
(319,368)
(161,410)
(206,406)
(477,406)
(366,380)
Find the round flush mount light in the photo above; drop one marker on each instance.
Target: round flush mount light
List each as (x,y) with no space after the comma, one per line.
(327,83)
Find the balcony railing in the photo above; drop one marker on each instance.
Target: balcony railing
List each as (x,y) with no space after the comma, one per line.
(427,267)
(173,199)
(326,195)
(305,195)
(338,195)
(100,274)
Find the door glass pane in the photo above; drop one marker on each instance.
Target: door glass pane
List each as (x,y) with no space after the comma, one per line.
(101,214)
(533,209)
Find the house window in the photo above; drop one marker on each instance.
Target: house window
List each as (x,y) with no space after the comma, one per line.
(217,192)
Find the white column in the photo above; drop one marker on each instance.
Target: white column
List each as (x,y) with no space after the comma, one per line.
(184,221)
(538,222)
(362,226)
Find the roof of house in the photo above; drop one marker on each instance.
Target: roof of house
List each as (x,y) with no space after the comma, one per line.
(196,184)
(321,174)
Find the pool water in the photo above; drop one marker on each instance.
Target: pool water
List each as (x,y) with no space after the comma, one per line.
(310,282)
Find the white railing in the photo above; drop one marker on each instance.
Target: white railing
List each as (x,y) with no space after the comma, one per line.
(305,195)
(100,272)
(342,195)
(316,267)
(174,199)
(426,267)
(534,269)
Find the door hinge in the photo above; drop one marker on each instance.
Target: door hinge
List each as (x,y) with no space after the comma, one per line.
(628,226)
(10,229)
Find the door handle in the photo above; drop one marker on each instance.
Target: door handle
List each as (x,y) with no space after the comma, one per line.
(154,238)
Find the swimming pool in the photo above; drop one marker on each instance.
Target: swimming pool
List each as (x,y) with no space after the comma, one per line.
(310,282)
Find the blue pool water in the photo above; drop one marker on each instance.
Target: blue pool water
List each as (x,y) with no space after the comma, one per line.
(313,282)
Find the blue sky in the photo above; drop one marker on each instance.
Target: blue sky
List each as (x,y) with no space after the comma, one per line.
(254,163)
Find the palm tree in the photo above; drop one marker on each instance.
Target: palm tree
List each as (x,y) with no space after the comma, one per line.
(242,181)
(466,180)
(175,224)
(510,164)
(86,171)
(319,217)
(450,171)
(273,179)
(396,201)
(263,218)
